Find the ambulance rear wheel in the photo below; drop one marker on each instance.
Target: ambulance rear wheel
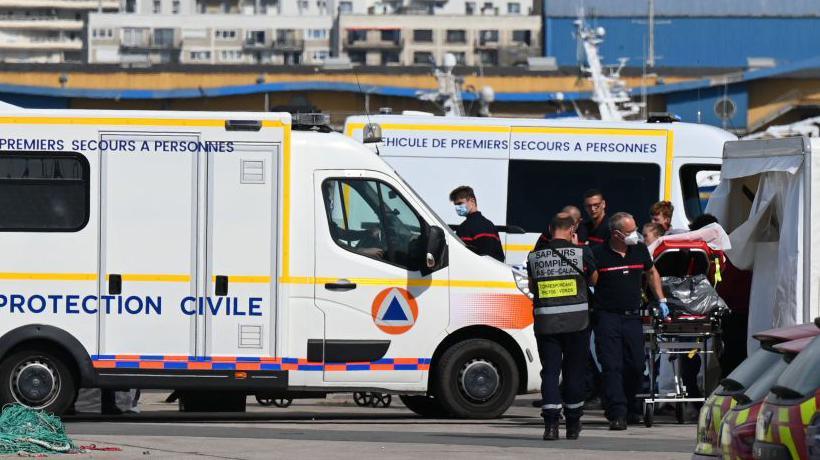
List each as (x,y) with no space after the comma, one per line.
(477,379)
(426,406)
(38,379)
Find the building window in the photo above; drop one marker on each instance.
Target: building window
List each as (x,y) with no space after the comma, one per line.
(423,58)
(521,36)
(303,5)
(469,8)
(357,57)
(175,7)
(487,8)
(423,36)
(44,193)
(456,36)
(225,34)
(317,34)
(513,8)
(390,36)
(200,55)
(390,57)
(371,219)
(320,55)
(322,5)
(460,57)
(356,36)
(130,6)
(630,187)
(488,36)
(255,37)
(488,57)
(164,38)
(230,55)
(269,7)
(194,34)
(134,37)
(157,6)
(345,7)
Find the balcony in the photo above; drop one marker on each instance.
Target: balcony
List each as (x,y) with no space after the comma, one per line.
(90,5)
(374,44)
(486,44)
(255,45)
(289,44)
(150,45)
(20,23)
(46,44)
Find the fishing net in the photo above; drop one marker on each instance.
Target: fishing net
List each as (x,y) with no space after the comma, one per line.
(24,430)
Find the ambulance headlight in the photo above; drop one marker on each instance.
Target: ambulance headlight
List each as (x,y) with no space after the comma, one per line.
(522,281)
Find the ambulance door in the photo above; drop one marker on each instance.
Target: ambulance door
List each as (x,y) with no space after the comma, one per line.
(239,310)
(381,314)
(148,245)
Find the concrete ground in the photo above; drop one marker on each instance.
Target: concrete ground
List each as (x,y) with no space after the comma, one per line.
(337,429)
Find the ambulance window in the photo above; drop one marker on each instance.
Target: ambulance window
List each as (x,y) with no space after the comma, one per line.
(43,192)
(539,189)
(371,218)
(697,182)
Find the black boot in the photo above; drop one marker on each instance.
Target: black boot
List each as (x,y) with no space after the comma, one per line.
(573,428)
(617,424)
(551,431)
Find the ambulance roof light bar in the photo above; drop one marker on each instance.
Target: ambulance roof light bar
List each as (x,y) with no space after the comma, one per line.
(312,121)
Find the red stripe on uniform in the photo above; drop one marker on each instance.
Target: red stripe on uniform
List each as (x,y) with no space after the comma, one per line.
(622,267)
(480,235)
(595,239)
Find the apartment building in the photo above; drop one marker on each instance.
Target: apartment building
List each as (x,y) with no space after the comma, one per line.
(46,31)
(401,40)
(208,39)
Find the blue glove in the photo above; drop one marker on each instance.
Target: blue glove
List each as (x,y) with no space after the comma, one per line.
(664,309)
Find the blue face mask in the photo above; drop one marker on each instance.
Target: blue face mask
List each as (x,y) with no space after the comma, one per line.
(461,210)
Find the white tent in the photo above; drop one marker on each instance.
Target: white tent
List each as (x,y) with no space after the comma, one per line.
(768,200)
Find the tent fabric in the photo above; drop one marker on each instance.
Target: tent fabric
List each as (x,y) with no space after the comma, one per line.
(760,202)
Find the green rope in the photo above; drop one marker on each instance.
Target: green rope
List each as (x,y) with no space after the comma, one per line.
(24,430)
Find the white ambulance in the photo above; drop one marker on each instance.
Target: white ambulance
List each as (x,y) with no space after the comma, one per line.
(239,252)
(526,170)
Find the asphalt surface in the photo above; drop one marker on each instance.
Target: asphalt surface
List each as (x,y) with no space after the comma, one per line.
(337,429)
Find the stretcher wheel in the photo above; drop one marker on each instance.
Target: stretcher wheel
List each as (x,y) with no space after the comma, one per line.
(679,413)
(282,402)
(363,399)
(264,400)
(381,400)
(648,414)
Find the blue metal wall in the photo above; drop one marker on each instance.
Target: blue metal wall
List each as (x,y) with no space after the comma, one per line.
(29,101)
(691,42)
(698,105)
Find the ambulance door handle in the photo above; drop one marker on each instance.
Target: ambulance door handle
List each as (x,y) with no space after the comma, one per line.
(340,285)
(114,284)
(221,288)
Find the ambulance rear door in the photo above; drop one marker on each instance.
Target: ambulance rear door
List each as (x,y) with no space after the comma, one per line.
(242,186)
(148,242)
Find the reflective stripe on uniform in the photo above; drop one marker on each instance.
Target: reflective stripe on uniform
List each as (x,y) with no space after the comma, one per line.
(742,416)
(575,405)
(561,309)
(551,406)
(807,411)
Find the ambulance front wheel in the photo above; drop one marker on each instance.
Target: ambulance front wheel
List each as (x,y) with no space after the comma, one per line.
(38,379)
(476,378)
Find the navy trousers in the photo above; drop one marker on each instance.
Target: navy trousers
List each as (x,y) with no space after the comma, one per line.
(563,355)
(619,345)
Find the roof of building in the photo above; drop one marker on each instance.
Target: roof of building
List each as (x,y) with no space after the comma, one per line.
(688,8)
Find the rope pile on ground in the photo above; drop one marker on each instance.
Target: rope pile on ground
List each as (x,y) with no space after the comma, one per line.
(24,430)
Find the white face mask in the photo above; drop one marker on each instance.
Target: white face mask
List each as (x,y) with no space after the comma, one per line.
(632,239)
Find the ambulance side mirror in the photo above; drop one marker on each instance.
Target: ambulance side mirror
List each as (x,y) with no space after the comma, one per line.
(435,256)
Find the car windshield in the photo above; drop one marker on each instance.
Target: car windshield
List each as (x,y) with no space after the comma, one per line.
(802,375)
(758,390)
(748,371)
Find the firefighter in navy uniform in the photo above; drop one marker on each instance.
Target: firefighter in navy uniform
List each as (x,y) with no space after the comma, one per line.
(622,262)
(597,227)
(559,273)
(477,232)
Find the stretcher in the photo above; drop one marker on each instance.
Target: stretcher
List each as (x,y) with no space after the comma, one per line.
(681,334)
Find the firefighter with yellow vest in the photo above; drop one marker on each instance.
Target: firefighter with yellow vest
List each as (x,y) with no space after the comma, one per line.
(559,275)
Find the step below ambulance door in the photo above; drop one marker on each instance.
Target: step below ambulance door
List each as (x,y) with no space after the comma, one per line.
(239,310)
(148,256)
(382,317)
